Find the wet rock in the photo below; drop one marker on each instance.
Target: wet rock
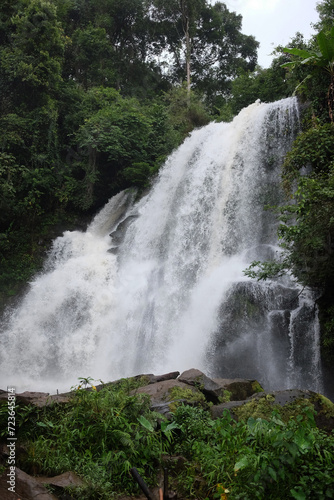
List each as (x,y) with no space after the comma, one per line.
(119,233)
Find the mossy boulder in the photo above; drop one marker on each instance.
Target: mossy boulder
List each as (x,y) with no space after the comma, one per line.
(218,390)
(288,403)
(172,393)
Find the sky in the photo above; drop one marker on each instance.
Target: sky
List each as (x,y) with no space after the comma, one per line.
(274,22)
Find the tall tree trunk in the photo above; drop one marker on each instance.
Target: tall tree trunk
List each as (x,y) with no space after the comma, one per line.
(188,54)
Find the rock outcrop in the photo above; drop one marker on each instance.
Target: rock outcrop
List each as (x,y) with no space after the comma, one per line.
(25,487)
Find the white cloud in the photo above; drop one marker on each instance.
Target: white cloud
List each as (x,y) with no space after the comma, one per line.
(274,22)
(260,5)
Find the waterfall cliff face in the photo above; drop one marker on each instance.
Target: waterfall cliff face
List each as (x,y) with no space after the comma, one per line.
(158,285)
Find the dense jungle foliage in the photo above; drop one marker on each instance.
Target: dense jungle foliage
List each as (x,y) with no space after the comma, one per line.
(101,435)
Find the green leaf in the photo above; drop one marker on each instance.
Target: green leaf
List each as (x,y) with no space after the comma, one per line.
(168,426)
(145,423)
(241,464)
(272,473)
(299,52)
(288,65)
(298,495)
(326,46)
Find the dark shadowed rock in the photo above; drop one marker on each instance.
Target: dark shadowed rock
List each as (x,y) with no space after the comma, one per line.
(240,389)
(161,378)
(217,411)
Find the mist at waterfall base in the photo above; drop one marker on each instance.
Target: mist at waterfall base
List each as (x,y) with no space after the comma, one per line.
(158,285)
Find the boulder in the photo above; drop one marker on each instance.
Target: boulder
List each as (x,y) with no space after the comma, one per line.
(146,378)
(41,399)
(38,399)
(167,395)
(160,392)
(217,411)
(239,388)
(206,385)
(26,488)
(65,480)
(215,389)
(288,403)
(162,378)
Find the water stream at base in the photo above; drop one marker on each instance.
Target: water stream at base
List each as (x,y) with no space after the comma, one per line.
(158,285)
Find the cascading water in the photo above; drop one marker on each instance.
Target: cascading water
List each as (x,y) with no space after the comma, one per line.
(158,285)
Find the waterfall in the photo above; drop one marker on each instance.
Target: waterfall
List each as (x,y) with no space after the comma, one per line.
(158,284)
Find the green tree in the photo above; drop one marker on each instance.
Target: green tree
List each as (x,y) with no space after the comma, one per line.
(31,63)
(205,42)
(321,59)
(268,85)
(112,45)
(179,19)
(119,142)
(325,9)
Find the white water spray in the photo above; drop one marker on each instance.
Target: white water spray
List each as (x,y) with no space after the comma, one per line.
(149,287)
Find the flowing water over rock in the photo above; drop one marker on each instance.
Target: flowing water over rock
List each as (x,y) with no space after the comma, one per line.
(158,285)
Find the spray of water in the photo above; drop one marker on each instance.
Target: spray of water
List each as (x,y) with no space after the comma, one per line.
(156,285)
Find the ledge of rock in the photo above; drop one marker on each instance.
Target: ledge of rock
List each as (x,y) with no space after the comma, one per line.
(41,399)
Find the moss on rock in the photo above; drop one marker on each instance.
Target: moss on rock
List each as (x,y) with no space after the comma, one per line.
(257,387)
(263,406)
(178,395)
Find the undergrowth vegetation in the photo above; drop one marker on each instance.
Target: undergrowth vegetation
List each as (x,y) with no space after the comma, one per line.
(102,434)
